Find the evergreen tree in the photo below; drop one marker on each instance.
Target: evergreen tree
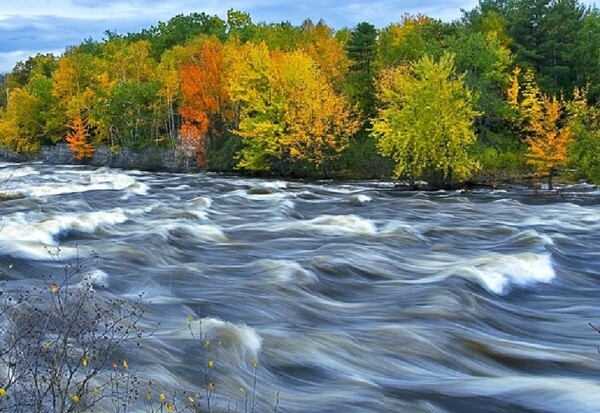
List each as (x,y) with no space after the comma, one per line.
(362,51)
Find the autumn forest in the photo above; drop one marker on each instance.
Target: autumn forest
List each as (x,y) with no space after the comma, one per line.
(511,89)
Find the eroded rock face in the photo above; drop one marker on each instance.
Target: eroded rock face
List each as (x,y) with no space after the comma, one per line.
(155,159)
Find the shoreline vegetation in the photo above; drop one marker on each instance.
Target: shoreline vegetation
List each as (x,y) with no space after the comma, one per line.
(509,93)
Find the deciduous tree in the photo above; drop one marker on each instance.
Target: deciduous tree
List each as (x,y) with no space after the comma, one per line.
(584,120)
(425,122)
(25,123)
(205,106)
(288,110)
(542,117)
(78,140)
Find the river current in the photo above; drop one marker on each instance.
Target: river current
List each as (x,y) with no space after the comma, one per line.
(355,297)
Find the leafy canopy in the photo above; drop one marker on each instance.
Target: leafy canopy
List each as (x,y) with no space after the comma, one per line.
(425,122)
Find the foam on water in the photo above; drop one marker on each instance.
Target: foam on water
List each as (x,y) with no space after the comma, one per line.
(201,202)
(552,394)
(274,184)
(237,338)
(199,231)
(359,200)
(95,278)
(22,227)
(286,272)
(498,273)
(97,182)
(10,173)
(341,225)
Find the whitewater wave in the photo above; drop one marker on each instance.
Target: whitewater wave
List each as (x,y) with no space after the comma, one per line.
(339,225)
(10,173)
(95,278)
(98,182)
(239,341)
(499,273)
(20,227)
(198,231)
(285,272)
(359,200)
(552,394)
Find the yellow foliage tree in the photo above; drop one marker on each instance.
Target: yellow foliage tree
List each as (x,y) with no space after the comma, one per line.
(425,121)
(21,127)
(328,52)
(288,109)
(548,135)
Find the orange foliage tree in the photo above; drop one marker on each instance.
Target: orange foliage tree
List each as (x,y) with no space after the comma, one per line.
(78,141)
(204,96)
(548,134)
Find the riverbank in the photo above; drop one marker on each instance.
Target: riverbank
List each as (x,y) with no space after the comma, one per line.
(151,159)
(180,161)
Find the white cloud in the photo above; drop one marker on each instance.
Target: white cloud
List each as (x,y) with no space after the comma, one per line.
(41,26)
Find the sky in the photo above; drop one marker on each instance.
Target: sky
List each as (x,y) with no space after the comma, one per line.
(50,26)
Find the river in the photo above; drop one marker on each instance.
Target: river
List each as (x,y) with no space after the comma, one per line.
(354,297)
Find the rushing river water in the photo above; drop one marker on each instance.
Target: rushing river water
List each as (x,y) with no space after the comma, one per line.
(355,297)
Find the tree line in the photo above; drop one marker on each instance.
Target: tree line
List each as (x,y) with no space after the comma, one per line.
(511,87)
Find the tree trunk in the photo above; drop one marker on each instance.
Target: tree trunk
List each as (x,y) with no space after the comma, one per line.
(550,175)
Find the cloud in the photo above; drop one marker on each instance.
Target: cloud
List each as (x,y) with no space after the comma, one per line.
(43,26)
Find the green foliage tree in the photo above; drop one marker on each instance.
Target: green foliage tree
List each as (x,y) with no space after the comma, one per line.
(559,28)
(239,25)
(409,40)
(486,64)
(584,120)
(545,37)
(179,30)
(277,36)
(425,122)
(586,55)
(132,114)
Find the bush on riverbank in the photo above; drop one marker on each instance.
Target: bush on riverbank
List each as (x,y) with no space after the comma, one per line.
(66,348)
